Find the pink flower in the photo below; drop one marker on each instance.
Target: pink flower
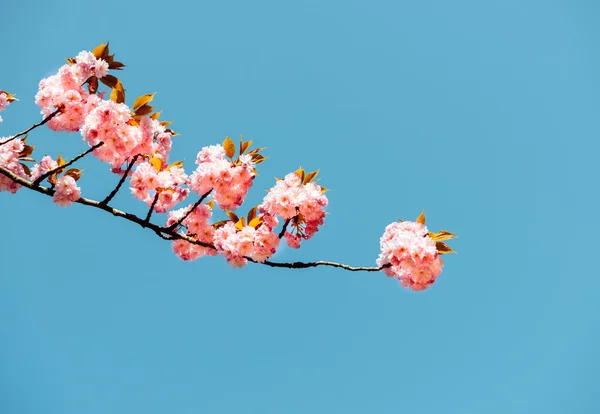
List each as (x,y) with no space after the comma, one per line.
(236,245)
(64,90)
(293,240)
(147,181)
(196,226)
(3,102)
(66,191)
(229,182)
(301,203)
(108,122)
(46,164)
(9,159)
(410,254)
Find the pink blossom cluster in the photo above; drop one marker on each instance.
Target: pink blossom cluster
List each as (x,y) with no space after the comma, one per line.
(301,203)
(197,226)
(147,181)
(411,254)
(110,123)
(229,181)
(3,102)
(46,164)
(9,159)
(64,90)
(257,243)
(66,191)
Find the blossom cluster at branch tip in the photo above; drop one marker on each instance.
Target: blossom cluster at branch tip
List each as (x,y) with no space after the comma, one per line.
(230,182)
(10,152)
(195,225)
(410,253)
(300,201)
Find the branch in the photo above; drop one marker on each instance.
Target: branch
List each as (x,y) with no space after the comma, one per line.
(62,167)
(196,204)
(31,128)
(147,220)
(284,228)
(169,234)
(304,265)
(121,181)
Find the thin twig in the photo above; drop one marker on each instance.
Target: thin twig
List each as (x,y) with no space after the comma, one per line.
(147,220)
(304,265)
(196,204)
(121,181)
(34,126)
(284,228)
(67,164)
(168,234)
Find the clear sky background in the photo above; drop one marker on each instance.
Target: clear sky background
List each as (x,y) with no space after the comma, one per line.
(485,114)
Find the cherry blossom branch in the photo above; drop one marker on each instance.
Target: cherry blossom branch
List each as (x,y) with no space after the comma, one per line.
(168,234)
(121,181)
(196,204)
(67,164)
(34,126)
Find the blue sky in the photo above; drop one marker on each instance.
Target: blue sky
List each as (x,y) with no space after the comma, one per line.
(485,114)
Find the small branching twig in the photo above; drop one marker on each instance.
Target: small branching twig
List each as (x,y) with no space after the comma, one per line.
(147,219)
(284,228)
(196,204)
(67,164)
(121,181)
(34,126)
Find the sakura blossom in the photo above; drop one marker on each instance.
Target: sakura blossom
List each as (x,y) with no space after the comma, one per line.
(148,182)
(301,204)
(46,164)
(9,159)
(195,225)
(66,191)
(230,182)
(109,122)
(4,101)
(237,244)
(410,255)
(65,91)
